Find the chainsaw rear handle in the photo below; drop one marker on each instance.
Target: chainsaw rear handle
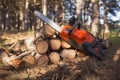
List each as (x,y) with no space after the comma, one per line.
(79,38)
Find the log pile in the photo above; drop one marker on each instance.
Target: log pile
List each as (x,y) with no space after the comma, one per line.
(46,49)
(55,48)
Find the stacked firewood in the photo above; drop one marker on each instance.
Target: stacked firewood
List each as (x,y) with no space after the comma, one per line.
(57,49)
(47,48)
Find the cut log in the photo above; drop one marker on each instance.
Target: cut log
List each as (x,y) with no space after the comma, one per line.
(54,57)
(76,60)
(85,58)
(8,58)
(37,55)
(42,46)
(22,55)
(29,43)
(71,54)
(16,46)
(42,60)
(5,59)
(118,52)
(68,53)
(16,63)
(65,45)
(64,53)
(29,59)
(55,44)
(105,44)
(13,60)
(49,31)
(81,54)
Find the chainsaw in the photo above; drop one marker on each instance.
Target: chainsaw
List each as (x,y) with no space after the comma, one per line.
(71,34)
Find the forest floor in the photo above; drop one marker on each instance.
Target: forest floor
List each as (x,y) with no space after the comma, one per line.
(91,69)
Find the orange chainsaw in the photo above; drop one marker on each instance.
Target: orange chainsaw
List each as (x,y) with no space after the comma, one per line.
(72,35)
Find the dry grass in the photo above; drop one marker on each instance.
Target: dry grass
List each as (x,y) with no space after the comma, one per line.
(90,69)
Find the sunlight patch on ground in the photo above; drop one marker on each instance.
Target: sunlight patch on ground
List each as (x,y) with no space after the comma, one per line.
(117,55)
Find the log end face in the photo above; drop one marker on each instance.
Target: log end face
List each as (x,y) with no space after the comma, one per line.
(42,60)
(42,46)
(54,57)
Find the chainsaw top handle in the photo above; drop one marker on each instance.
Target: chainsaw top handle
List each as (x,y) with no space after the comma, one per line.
(73,27)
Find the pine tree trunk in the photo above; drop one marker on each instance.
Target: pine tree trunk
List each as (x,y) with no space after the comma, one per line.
(86,14)
(95,17)
(44,10)
(26,14)
(44,7)
(106,27)
(78,12)
(78,7)
(34,22)
(56,9)
(8,15)
(63,10)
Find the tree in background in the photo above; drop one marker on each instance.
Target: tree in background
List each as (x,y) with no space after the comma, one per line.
(79,7)
(27,14)
(106,26)
(86,14)
(95,18)
(19,14)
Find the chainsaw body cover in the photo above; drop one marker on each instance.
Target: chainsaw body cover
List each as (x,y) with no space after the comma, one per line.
(79,36)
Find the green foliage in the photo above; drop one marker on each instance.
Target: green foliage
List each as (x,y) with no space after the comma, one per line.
(114,40)
(114,36)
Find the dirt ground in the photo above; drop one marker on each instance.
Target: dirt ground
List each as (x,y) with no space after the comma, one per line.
(91,69)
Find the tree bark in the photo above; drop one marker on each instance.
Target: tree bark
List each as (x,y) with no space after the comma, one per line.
(63,10)
(95,18)
(14,60)
(78,12)
(29,59)
(26,14)
(78,7)
(86,14)
(81,54)
(106,27)
(44,7)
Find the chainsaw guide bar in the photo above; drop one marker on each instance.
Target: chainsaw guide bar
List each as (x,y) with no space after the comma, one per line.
(48,21)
